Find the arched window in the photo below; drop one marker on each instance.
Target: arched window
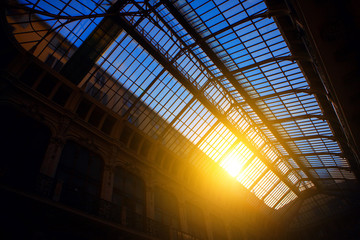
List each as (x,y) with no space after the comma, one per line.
(166,208)
(218,228)
(195,221)
(128,191)
(79,177)
(129,199)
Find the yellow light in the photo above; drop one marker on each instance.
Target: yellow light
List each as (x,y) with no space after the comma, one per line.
(241,177)
(232,164)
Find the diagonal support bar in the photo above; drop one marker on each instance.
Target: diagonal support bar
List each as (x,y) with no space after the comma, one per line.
(229,75)
(196,92)
(93,47)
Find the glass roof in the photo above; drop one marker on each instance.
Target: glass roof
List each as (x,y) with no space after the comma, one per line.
(217,73)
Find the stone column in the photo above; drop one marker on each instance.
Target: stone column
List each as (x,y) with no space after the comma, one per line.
(105,204)
(182,215)
(54,150)
(207,224)
(107,183)
(46,183)
(227,230)
(150,205)
(52,156)
(149,181)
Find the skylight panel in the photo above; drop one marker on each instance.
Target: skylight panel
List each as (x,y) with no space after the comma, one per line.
(252,172)
(291,196)
(195,122)
(74,31)
(234,161)
(199,76)
(217,142)
(238,119)
(276,194)
(265,184)
(293,178)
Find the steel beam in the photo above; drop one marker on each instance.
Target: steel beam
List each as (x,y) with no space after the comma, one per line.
(257,64)
(93,47)
(270,60)
(326,167)
(247,164)
(316,82)
(259,178)
(290,119)
(170,125)
(266,14)
(277,94)
(280,199)
(145,43)
(127,113)
(230,76)
(208,133)
(293,139)
(313,154)
(270,190)
(324,179)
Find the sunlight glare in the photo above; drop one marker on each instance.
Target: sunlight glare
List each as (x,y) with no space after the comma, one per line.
(232,164)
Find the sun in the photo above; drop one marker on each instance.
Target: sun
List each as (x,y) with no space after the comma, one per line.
(232,164)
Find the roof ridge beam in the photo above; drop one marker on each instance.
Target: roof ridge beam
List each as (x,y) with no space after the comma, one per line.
(266,14)
(146,44)
(229,75)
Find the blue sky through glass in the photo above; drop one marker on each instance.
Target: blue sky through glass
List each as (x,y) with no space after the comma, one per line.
(276,88)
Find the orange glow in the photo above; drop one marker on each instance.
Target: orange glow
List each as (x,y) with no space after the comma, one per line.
(232,164)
